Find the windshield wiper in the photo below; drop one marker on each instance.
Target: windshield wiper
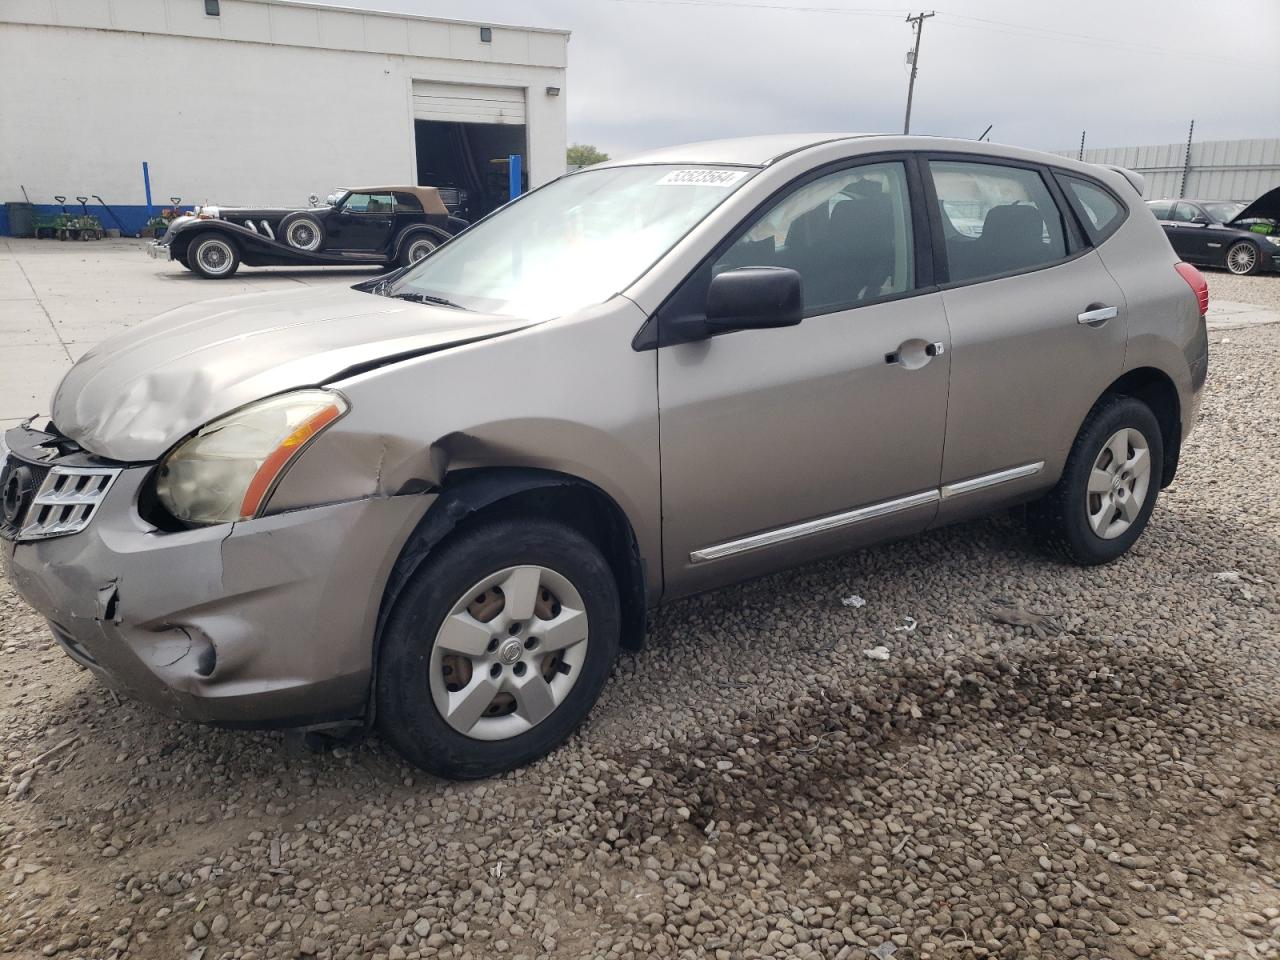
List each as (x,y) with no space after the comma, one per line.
(416,297)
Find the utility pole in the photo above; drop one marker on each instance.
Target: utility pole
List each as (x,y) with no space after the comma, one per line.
(1080,155)
(918,23)
(1186,162)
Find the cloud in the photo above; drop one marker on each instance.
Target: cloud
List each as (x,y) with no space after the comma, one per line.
(644,74)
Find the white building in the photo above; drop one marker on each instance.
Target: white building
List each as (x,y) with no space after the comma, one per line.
(263,102)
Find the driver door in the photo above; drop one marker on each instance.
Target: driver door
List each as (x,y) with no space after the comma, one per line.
(362,224)
(780,445)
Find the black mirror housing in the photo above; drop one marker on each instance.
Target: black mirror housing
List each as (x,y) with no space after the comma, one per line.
(751,298)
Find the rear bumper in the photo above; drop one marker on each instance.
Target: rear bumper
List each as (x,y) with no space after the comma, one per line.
(159,251)
(268,622)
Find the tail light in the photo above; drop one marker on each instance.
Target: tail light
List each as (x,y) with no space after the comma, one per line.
(1195,279)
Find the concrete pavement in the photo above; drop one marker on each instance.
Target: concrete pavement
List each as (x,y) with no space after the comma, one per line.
(58,299)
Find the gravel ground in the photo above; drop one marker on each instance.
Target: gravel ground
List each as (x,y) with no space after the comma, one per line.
(1054,762)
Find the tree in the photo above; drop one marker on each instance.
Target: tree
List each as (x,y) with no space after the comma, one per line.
(584,154)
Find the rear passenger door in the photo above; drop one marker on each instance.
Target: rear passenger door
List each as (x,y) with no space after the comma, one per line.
(1037,327)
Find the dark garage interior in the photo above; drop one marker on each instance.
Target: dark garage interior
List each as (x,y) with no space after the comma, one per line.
(470,157)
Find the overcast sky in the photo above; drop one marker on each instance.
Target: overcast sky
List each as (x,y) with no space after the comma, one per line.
(645,73)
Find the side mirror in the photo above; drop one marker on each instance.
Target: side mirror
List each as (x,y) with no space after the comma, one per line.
(1200,221)
(751,298)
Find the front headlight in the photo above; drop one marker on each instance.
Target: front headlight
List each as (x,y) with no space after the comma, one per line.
(1272,240)
(227,470)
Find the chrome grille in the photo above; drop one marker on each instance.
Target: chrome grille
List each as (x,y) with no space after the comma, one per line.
(66,501)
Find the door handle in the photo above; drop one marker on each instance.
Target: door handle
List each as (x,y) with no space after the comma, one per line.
(1096,313)
(915,353)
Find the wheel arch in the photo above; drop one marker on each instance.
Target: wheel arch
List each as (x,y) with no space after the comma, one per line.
(1157,390)
(471,495)
(408,234)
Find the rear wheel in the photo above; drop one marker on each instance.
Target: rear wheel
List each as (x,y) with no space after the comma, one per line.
(498,648)
(214,257)
(1242,258)
(1108,487)
(416,249)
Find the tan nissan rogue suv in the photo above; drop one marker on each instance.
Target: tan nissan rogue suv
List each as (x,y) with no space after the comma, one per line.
(442,500)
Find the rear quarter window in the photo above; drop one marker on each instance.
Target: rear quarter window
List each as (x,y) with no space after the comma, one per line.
(1099,211)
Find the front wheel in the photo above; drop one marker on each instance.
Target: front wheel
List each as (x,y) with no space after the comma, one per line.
(214,257)
(1108,488)
(497,648)
(1242,258)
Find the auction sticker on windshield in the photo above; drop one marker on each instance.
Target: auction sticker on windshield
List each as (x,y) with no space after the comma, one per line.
(702,178)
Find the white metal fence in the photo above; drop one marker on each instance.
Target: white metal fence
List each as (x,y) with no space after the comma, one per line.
(1219,169)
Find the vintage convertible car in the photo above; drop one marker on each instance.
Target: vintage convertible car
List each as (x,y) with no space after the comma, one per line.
(374,226)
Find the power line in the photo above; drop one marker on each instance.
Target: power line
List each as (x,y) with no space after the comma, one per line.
(918,22)
(963,21)
(851,11)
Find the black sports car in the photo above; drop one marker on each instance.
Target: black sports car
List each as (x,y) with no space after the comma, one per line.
(1244,238)
(374,226)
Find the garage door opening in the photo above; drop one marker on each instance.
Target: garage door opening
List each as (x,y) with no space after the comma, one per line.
(470,158)
(464,134)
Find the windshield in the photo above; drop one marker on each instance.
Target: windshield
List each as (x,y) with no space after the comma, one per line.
(575,242)
(1223,212)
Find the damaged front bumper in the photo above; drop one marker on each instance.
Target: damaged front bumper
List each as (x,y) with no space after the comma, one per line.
(267,622)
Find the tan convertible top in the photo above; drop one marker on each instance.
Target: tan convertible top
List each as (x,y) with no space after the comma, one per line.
(428,196)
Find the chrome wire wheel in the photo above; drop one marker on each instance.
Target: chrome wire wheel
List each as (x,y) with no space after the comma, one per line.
(508,653)
(1119,483)
(1242,258)
(303,235)
(419,249)
(215,256)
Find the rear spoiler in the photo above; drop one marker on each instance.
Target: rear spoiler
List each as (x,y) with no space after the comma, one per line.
(1136,180)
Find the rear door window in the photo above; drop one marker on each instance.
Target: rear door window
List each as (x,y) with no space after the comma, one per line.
(1161,209)
(996,219)
(1099,211)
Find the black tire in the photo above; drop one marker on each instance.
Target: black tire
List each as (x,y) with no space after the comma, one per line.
(409,249)
(1244,258)
(213,256)
(407,714)
(1060,520)
(302,231)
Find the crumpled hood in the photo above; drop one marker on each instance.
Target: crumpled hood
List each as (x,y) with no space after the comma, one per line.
(135,395)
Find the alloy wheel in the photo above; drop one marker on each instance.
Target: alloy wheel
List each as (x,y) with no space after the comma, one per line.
(1119,483)
(1242,258)
(508,653)
(215,256)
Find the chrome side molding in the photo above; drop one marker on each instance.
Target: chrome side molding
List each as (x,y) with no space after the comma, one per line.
(809,527)
(990,479)
(835,521)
